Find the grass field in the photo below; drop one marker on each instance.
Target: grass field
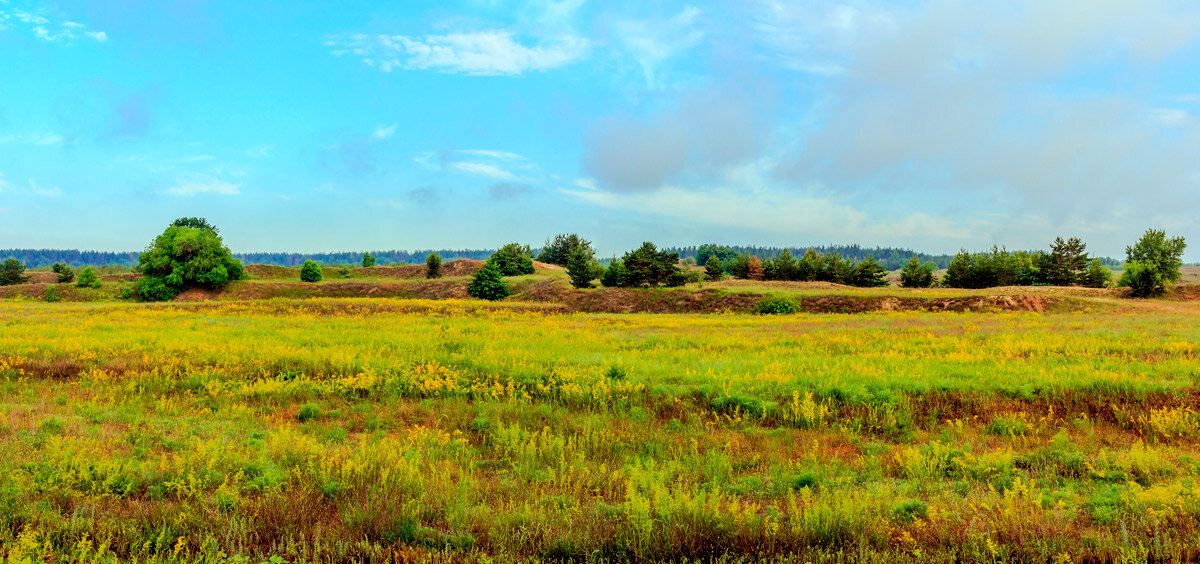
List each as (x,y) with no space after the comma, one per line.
(412,430)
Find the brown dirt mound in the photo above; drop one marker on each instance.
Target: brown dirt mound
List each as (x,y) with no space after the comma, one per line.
(538,265)
(41,277)
(460,267)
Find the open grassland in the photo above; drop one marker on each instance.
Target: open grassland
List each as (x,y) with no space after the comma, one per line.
(411,430)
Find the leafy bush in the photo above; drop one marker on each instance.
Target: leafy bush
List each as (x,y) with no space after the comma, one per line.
(88,278)
(513,259)
(368,260)
(12,272)
(911,510)
(188,253)
(311,272)
(433,266)
(51,294)
(777,305)
(488,283)
(64,271)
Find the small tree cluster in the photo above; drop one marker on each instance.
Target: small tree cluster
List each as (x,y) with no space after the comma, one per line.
(562,247)
(368,260)
(917,274)
(64,271)
(513,259)
(1067,264)
(645,266)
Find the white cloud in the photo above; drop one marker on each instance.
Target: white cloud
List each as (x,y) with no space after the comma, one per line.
(34,139)
(586,183)
(259,151)
(489,52)
(47,30)
(1172,117)
(203,185)
(484,169)
(36,190)
(652,42)
(382,132)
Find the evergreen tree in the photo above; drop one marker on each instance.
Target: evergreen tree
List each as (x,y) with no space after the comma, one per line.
(433,266)
(958,273)
(559,250)
(916,274)
(1097,275)
(869,274)
(1068,261)
(311,272)
(614,275)
(713,270)
(785,267)
(582,269)
(64,271)
(368,260)
(488,283)
(754,271)
(12,272)
(647,266)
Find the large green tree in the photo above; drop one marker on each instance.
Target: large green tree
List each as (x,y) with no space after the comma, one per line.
(1068,262)
(12,271)
(1153,262)
(185,256)
(916,274)
(647,266)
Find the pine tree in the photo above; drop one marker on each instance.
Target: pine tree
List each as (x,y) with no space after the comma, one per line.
(433,266)
(582,269)
(713,269)
(368,260)
(754,270)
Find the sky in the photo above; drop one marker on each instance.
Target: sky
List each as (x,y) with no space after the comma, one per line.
(321,126)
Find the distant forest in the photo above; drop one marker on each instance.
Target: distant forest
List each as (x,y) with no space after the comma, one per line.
(891,258)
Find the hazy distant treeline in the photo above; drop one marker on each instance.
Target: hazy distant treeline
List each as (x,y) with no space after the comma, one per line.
(37,258)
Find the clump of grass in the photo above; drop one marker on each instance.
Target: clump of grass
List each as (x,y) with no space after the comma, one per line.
(308,412)
(910,510)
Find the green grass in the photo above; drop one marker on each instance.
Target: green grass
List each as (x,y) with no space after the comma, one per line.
(458,431)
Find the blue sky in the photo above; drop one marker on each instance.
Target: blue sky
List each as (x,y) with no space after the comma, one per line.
(317,126)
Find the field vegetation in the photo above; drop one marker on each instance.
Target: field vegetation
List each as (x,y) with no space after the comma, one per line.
(450,430)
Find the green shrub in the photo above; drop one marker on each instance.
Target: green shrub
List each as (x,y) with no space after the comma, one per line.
(64,271)
(433,266)
(910,510)
(916,274)
(488,283)
(777,305)
(88,278)
(713,270)
(368,260)
(51,294)
(311,271)
(582,268)
(308,412)
(1152,263)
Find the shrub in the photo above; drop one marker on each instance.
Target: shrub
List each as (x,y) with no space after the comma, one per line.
(713,271)
(368,260)
(911,510)
(64,271)
(488,283)
(188,253)
(311,271)
(12,272)
(88,278)
(513,259)
(777,305)
(433,266)
(51,294)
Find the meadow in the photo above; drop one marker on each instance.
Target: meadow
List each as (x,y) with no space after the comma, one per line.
(372,429)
